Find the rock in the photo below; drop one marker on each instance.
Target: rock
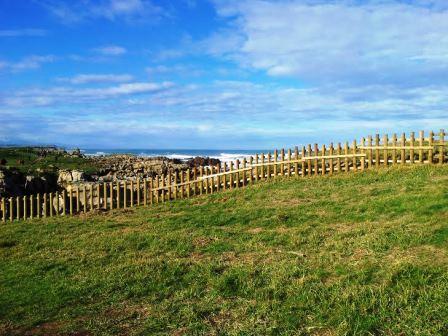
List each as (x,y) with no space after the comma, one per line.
(66,177)
(201,161)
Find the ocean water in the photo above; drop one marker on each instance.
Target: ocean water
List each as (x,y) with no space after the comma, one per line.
(181,154)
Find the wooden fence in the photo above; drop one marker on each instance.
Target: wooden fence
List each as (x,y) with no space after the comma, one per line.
(373,152)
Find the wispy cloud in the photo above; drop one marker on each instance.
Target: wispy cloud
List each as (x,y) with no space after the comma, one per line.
(22,32)
(130,11)
(26,63)
(111,50)
(97,78)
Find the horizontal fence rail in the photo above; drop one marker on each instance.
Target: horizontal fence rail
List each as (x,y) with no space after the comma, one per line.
(371,152)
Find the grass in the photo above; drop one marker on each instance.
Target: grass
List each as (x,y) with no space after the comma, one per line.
(27,160)
(358,254)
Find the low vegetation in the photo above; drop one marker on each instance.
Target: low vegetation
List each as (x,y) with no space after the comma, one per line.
(34,159)
(356,254)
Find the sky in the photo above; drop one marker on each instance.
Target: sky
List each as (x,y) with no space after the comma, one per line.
(212,74)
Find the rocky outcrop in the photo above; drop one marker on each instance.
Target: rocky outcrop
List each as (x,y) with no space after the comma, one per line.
(199,161)
(66,177)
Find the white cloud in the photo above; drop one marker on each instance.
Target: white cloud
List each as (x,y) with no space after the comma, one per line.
(365,42)
(111,50)
(97,78)
(27,63)
(130,11)
(22,32)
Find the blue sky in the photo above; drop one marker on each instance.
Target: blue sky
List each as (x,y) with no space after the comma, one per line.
(219,74)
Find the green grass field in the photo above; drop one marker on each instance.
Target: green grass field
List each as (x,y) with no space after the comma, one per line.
(358,254)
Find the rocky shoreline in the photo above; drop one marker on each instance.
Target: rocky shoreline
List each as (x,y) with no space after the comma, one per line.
(107,168)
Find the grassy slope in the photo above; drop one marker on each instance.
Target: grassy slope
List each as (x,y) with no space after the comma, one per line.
(364,253)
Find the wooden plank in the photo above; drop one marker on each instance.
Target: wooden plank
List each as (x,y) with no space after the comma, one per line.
(303,162)
(385,152)
(163,188)
(44,210)
(237,174)
(316,160)
(441,146)
(244,173)
(118,194)
(70,199)
(182,188)
(111,195)
(169,177)
(125,194)
(275,163)
(138,191)
(84,196)
(64,202)
(195,173)
(331,159)
(403,150)
(296,164)
(394,150)
(338,160)
(91,197)
(362,159)
(256,168)
(175,191)
(377,150)
(421,138)
(268,166)
(78,206)
(50,199)
(157,181)
(251,173)
(38,206)
(57,203)
(431,144)
(289,173)
(150,192)
(188,185)
(11,209)
(346,157)
(132,193)
(370,156)
(32,206)
(144,191)
(262,174)
(18,212)
(282,159)
(3,210)
(105,195)
(201,182)
(323,164)
(25,207)
(411,150)
(98,196)
(354,160)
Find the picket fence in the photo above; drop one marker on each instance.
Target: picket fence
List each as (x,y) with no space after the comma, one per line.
(373,152)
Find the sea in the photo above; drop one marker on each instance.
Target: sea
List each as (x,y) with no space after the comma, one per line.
(182,154)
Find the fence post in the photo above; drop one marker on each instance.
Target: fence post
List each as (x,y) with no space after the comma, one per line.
(244,172)
(431,144)
(324,168)
(25,207)
(91,190)
(182,186)
(296,164)
(201,182)
(64,202)
(57,203)
(363,151)
(442,146)
(70,199)
(347,169)
(237,175)
(275,163)
(38,206)
(78,200)
(316,160)
(132,193)
(175,185)
(411,150)
(289,163)
(50,201)
(282,160)
(150,190)
(188,183)
(302,164)
(157,179)
(268,167)
(3,210)
(111,195)
(421,141)
(370,159)
(138,191)
(31,206)
(355,161)
(261,170)
(44,210)
(11,209)
(84,196)
(118,194)
(394,150)
(125,194)
(377,151)
(18,207)
(403,149)
(105,195)
(385,153)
